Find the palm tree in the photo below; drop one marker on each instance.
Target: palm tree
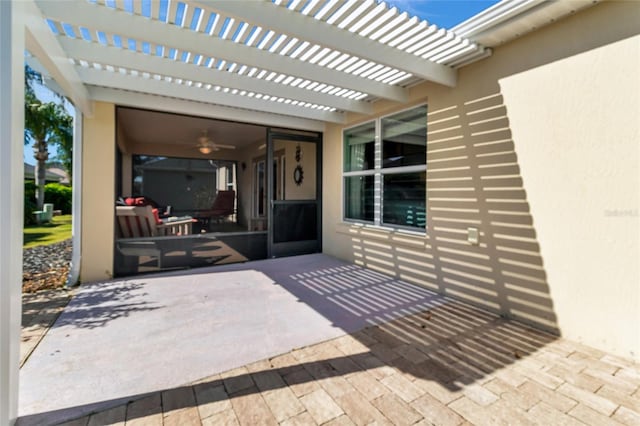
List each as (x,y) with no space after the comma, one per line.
(45,123)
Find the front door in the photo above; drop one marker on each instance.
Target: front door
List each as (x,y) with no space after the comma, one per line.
(294,193)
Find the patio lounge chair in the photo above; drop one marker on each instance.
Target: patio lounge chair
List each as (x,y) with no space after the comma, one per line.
(141,221)
(135,222)
(223,206)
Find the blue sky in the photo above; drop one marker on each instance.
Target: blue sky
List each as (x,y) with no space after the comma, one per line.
(443,13)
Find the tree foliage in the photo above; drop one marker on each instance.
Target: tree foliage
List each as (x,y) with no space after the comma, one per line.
(45,123)
(64,145)
(59,195)
(30,78)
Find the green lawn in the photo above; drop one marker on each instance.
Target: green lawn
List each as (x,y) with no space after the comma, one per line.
(39,235)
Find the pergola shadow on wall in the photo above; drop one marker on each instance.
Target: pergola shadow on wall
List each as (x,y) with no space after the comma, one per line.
(473,181)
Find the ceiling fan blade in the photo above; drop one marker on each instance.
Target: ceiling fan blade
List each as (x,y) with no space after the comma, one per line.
(217,145)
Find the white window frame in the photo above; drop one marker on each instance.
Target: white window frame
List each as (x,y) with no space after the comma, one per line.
(379,172)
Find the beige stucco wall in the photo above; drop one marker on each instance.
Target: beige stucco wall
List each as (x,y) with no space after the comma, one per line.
(537,146)
(98,193)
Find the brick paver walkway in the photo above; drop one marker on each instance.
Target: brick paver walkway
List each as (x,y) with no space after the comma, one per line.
(448,366)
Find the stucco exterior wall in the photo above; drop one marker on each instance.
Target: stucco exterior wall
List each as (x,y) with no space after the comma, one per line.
(537,147)
(98,193)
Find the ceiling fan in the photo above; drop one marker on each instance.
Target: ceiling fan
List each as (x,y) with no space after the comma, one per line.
(207,146)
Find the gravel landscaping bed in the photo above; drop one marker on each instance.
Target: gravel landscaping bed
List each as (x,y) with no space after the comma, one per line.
(46,267)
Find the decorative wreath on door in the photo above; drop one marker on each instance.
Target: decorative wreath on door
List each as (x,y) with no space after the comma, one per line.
(298,175)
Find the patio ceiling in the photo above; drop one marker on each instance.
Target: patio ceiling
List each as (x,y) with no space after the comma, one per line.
(294,63)
(311,59)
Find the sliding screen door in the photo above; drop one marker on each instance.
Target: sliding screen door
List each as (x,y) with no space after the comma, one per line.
(295,196)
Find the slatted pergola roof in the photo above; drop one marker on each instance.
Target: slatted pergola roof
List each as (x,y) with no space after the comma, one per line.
(309,60)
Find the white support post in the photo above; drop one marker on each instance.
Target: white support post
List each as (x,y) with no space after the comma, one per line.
(11,203)
(76,221)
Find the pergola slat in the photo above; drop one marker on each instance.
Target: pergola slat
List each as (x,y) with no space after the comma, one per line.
(120,4)
(137,7)
(436,44)
(171,12)
(379,22)
(312,7)
(362,8)
(328,9)
(155,10)
(188,16)
(366,17)
(344,11)
(414,35)
(397,22)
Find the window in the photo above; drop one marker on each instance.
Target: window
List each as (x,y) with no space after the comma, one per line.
(384,170)
(359,162)
(187,185)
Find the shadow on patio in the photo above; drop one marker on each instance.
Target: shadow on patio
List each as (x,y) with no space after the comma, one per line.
(407,339)
(104,304)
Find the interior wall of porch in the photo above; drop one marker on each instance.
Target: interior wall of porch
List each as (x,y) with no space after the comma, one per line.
(537,147)
(98,193)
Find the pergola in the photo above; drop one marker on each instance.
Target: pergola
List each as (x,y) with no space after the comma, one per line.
(309,60)
(288,63)
(296,62)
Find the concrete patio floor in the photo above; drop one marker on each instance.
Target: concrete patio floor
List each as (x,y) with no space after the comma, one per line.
(309,340)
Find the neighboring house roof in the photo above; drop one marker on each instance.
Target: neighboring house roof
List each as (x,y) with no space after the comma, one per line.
(64,177)
(51,175)
(297,64)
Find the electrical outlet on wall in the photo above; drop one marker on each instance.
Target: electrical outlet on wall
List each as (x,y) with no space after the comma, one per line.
(473,236)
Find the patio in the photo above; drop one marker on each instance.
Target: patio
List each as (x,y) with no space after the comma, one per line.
(319,341)
(495,166)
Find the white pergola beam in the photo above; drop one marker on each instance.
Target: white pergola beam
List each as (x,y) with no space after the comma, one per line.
(139,28)
(45,47)
(118,57)
(198,109)
(116,80)
(11,203)
(281,19)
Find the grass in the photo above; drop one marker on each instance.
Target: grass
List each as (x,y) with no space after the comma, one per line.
(39,235)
